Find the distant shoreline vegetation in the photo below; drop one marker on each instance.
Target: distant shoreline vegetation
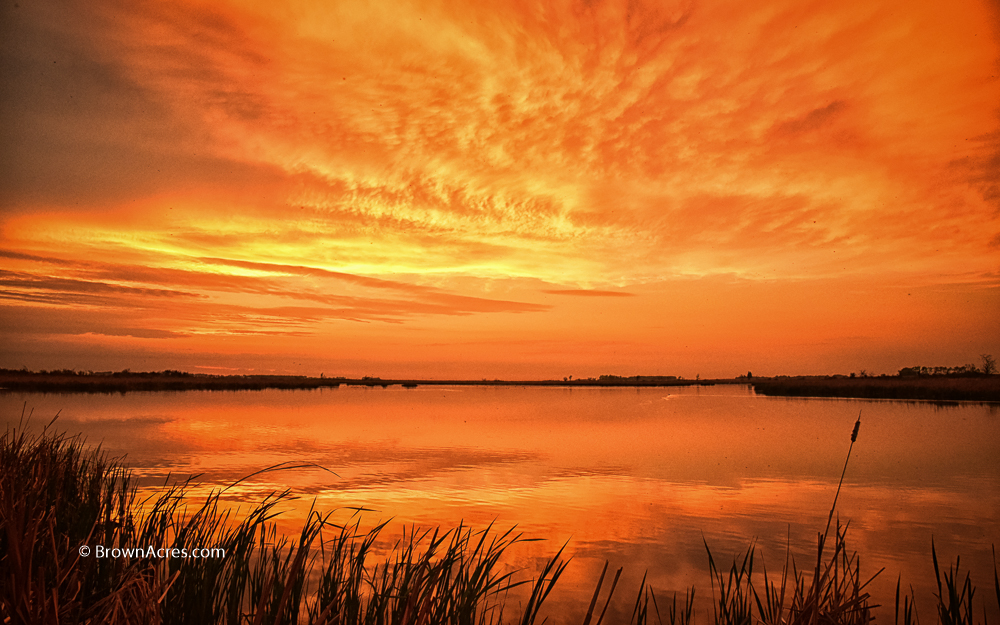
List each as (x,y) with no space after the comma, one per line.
(964,383)
(933,387)
(71,381)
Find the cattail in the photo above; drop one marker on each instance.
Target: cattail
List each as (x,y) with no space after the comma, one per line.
(854,438)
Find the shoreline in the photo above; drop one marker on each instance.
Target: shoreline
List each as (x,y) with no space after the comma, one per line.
(983,388)
(980,388)
(121,382)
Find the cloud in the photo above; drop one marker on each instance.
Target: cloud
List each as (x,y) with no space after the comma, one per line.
(490,141)
(116,299)
(588,293)
(814,120)
(278,268)
(219,165)
(79,129)
(36,320)
(23,281)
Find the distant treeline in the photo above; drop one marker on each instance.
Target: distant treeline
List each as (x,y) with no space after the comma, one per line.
(124,373)
(71,381)
(932,383)
(965,387)
(961,371)
(963,383)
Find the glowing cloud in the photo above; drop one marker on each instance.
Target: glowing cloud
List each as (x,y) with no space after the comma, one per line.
(263,167)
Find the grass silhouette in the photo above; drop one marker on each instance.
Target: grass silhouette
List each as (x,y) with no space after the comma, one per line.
(58,495)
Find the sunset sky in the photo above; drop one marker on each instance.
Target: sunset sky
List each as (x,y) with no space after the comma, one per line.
(500,190)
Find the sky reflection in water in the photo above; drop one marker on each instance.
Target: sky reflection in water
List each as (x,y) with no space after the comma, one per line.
(635,476)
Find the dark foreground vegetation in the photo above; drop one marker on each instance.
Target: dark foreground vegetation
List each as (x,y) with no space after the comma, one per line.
(57,496)
(925,387)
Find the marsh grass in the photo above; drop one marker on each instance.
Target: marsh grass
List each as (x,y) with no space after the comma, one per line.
(57,494)
(832,591)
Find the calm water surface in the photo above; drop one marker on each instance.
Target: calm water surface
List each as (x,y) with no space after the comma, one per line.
(639,477)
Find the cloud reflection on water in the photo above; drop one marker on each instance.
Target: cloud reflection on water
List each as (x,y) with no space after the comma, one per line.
(619,474)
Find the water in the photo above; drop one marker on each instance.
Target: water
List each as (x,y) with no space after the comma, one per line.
(638,477)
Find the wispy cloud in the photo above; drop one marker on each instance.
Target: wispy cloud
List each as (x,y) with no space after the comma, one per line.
(491,142)
(95,296)
(588,293)
(393,162)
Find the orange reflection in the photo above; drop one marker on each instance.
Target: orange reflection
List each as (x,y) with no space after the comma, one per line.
(637,478)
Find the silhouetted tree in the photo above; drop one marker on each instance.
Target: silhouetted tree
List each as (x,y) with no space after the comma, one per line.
(989,364)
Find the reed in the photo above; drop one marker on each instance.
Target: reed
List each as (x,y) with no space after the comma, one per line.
(832,591)
(834,594)
(57,494)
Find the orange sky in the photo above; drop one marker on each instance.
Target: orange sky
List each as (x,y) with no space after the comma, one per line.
(446,189)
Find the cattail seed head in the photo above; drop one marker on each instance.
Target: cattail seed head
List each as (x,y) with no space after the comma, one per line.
(857,426)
